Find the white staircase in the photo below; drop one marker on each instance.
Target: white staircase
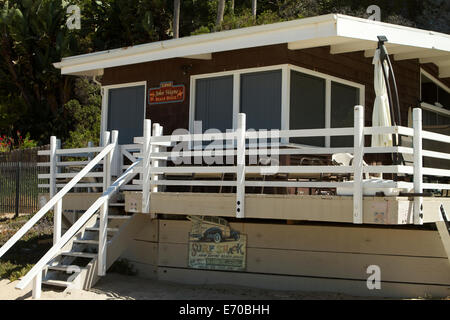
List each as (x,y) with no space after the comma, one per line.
(91,245)
(74,264)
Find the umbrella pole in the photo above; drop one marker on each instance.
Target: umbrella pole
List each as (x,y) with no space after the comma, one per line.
(396,158)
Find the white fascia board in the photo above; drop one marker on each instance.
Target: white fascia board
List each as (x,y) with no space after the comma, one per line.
(264,35)
(369,30)
(333,28)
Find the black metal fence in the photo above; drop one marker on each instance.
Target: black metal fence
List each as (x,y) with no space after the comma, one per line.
(19,181)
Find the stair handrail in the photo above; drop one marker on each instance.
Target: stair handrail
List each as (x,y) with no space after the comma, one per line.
(51,203)
(112,189)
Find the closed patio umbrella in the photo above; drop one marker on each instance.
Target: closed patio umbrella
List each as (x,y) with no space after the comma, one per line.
(381,116)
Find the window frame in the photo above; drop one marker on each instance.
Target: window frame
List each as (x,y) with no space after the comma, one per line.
(430,107)
(285,91)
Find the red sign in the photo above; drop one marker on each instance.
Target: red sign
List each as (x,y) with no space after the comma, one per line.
(167,92)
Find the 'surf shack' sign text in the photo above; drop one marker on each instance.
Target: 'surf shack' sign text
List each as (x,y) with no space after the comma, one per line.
(167,92)
(214,245)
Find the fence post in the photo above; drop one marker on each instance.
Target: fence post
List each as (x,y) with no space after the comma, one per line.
(240,169)
(146,154)
(418,178)
(57,209)
(103,223)
(17,204)
(58,158)
(52,166)
(37,286)
(358,156)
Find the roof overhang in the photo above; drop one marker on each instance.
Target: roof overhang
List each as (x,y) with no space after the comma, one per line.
(342,33)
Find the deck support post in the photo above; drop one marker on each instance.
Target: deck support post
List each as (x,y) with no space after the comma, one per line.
(358,156)
(418,164)
(103,223)
(240,169)
(55,144)
(37,286)
(146,161)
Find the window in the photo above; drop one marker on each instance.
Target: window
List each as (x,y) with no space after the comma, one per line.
(307,106)
(435,101)
(276,97)
(321,101)
(261,99)
(343,100)
(214,103)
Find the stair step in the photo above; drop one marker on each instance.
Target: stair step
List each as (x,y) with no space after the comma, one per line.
(81,241)
(117,217)
(65,268)
(98,229)
(79,254)
(58,283)
(93,242)
(117,204)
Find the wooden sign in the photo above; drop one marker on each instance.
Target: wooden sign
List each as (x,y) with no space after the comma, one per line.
(214,245)
(167,92)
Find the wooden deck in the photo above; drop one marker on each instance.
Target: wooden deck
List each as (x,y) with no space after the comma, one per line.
(377,210)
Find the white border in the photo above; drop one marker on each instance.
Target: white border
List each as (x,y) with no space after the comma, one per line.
(285,89)
(105,100)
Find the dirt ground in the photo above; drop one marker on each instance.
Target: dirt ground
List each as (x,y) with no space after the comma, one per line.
(120,287)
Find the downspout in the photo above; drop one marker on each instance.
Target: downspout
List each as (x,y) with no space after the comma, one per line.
(94,79)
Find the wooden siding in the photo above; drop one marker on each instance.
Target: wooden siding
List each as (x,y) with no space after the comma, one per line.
(306,258)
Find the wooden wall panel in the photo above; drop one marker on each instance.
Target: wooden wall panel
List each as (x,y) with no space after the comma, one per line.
(350,239)
(304,284)
(143,252)
(326,264)
(305,257)
(409,256)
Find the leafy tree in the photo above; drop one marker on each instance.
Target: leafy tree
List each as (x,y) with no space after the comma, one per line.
(435,15)
(220,13)
(176,18)
(32,38)
(109,24)
(85,110)
(34,96)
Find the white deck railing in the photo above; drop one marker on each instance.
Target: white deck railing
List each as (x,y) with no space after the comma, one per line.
(241,144)
(240,149)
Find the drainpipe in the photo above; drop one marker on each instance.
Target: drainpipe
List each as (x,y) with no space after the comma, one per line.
(96,81)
